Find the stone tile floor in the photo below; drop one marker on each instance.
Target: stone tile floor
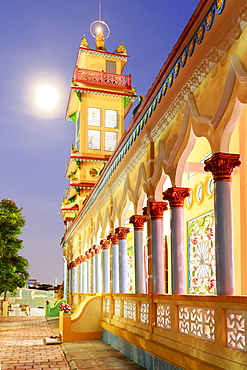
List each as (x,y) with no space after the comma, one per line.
(22,348)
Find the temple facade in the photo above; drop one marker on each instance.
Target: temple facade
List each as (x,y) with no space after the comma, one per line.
(155,217)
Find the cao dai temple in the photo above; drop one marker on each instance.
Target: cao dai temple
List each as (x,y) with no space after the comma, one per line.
(154,247)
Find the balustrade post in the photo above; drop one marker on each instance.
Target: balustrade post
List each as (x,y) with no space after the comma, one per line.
(221,166)
(123,258)
(138,222)
(176,196)
(115,262)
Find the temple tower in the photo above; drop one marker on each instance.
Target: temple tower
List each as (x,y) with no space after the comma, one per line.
(100,98)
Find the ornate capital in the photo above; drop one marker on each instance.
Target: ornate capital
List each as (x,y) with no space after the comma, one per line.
(176,196)
(97,249)
(122,232)
(73,264)
(157,209)
(83,258)
(88,255)
(113,238)
(221,165)
(105,243)
(68,219)
(138,221)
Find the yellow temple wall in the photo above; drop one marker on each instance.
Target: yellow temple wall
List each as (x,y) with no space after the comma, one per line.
(100,101)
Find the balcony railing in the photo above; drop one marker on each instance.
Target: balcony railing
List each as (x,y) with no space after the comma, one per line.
(211,328)
(102,78)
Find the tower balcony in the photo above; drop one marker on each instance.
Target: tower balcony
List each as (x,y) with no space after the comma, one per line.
(102,78)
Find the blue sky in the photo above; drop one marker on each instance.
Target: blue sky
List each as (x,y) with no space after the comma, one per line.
(39,42)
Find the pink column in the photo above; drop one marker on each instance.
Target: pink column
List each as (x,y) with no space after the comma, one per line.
(175,197)
(221,165)
(123,258)
(138,222)
(106,263)
(115,262)
(156,211)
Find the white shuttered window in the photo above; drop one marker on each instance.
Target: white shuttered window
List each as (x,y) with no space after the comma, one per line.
(110,141)
(93,117)
(94,139)
(110,118)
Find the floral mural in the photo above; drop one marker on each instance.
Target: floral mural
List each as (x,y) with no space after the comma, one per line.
(130,262)
(201,258)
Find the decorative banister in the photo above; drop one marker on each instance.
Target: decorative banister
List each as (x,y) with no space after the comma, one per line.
(102,78)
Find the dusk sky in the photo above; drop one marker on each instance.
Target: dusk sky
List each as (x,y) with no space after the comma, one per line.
(39,42)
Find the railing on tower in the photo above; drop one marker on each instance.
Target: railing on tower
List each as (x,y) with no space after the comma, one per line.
(102,78)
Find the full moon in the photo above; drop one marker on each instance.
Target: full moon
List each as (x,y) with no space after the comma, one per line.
(46,97)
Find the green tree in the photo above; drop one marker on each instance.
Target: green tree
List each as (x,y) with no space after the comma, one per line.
(13,268)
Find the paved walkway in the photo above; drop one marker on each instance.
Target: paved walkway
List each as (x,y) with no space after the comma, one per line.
(22,348)
(22,345)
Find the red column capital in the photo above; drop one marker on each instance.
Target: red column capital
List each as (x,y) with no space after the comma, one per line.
(105,243)
(157,209)
(138,221)
(221,165)
(176,196)
(73,264)
(113,238)
(83,258)
(122,232)
(88,255)
(97,250)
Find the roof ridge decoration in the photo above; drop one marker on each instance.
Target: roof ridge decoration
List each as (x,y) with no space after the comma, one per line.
(101,53)
(197,38)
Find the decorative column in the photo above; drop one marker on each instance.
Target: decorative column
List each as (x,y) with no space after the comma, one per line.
(221,165)
(70,277)
(88,258)
(98,275)
(66,223)
(158,267)
(138,222)
(65,278)
(74,277)
(123,260)
(115,262)
(83,274)
(175,197)
(93,266)
(106,257)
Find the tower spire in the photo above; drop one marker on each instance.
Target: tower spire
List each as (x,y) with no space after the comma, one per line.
(100,30)
(99,10)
